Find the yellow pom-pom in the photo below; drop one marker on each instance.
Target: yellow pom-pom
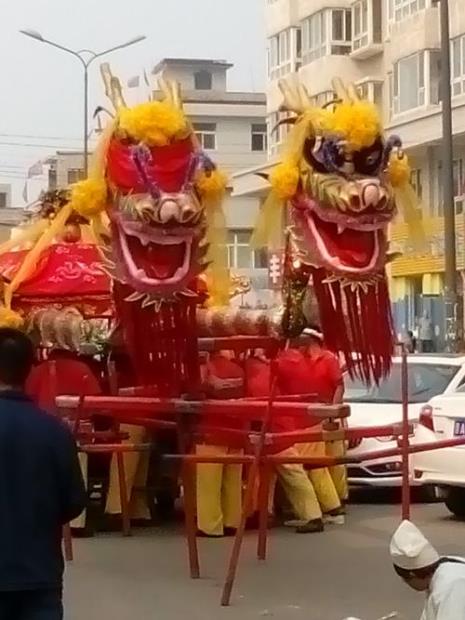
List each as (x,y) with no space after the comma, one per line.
(284,180)
(10,318)
(358,123)
(89,197)
(155,123)
(211,184)
(399,170)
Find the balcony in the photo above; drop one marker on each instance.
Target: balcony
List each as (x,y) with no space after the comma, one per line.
(366,29)
(415,33)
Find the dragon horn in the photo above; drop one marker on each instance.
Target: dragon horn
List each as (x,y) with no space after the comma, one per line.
(292,99)
(340,89)
(171,91)
(112,87)
(353,93)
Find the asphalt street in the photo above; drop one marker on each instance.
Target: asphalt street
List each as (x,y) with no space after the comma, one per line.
(343,572)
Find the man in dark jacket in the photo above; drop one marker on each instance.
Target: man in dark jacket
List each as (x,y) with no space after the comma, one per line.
(41,489)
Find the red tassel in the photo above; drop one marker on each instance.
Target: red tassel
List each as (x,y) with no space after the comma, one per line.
(162,344)
(358,323)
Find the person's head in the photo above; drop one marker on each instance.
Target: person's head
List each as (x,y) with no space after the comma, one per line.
(315,337)
(415,559)
(410,333)
(16,357)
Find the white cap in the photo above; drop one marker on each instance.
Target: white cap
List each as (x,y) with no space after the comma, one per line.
(410,549)
(315,333)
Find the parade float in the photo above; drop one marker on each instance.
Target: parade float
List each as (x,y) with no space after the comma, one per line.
(144,239)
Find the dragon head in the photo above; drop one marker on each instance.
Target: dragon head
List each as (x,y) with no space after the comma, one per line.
(160,193)
(341,182)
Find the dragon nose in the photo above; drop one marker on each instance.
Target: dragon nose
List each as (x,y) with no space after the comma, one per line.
(169,210)
(188,212)
(371,195)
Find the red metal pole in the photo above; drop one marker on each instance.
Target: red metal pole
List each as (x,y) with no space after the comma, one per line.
(405,439)
(249,492)
(263,496)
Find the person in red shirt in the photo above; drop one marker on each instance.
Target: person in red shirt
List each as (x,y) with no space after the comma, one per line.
(74,376)
(326,381)
(219,487)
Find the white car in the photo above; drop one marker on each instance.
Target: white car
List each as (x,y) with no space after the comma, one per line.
(429,375)
(443,418)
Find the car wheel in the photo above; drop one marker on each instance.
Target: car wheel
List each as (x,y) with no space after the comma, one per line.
(455,501)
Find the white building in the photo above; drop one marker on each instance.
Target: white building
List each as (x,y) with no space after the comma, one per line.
(231,127)
(391,50)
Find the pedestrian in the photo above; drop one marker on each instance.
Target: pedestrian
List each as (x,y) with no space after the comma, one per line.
(325,380)
(425,333)
(442,579)
(411,342)
(41,489)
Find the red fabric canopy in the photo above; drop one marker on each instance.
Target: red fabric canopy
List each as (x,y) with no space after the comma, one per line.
(65,271)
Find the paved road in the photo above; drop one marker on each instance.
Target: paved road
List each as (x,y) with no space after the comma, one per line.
(343,572)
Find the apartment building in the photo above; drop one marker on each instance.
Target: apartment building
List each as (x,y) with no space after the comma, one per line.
(391,50)
(231,127)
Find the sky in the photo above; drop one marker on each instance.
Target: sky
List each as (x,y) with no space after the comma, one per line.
(41,99)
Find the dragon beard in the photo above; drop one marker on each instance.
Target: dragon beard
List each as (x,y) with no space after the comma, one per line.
(162,342)
(356,320)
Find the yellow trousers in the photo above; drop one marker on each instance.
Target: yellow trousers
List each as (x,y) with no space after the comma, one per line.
(136,466)
(80,522)
(298,488)
(321,479)
(219,492)
(338,472)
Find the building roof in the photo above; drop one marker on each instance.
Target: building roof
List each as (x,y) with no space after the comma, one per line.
(217,96)
(192,62)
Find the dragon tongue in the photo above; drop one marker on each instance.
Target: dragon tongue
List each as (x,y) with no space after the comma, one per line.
(160,261)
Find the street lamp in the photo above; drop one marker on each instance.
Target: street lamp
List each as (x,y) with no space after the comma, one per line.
(86,58)
(450,271)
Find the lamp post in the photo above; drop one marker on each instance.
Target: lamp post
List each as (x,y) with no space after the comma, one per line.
(86,58)
(450,271)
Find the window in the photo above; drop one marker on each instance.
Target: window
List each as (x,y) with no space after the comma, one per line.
(258,138)
(284,50)
(371,91)
(3,200)
(75,175)
(277,134)
(241,255)
(322,98)
(401,9)
(425,381)
(327,32)
(458,65)
(416,181)
(360,36)
(206,135)
(409,83)
(203,80)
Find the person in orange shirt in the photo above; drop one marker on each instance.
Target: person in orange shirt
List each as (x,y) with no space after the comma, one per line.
(326,381)
(219,487)
(295,377)
(292,378)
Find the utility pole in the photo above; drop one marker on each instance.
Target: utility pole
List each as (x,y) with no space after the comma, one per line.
(450,275)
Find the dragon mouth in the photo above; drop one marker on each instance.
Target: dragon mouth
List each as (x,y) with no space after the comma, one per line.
(154,258)
(346,249)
